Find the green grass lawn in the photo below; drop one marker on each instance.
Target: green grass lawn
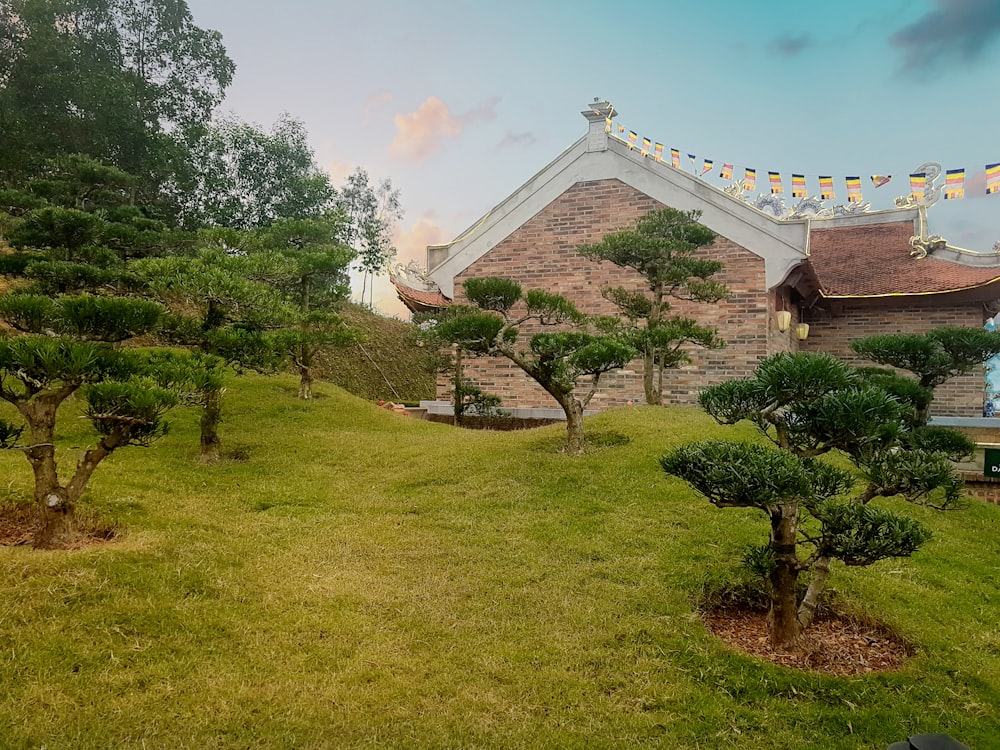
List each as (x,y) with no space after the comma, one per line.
(366,580)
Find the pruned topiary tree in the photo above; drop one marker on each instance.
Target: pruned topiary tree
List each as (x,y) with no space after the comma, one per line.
(934,357)
(663,249)
(808,405)
(38,373)
(559,362)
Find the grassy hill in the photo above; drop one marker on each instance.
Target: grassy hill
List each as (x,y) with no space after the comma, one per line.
(387,364)
(361,579)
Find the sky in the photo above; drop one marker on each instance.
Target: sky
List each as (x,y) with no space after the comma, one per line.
(460,102)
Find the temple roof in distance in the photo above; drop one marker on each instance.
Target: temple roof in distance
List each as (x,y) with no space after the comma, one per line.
(415,290)
(875,260)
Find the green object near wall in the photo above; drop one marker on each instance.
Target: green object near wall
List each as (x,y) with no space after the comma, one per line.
(991,462)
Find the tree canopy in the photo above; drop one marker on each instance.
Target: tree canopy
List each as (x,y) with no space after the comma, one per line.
(559,362)
(106,78)
(663,249)
(808,405)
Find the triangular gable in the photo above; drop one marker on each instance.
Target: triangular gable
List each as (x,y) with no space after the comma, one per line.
(781,244)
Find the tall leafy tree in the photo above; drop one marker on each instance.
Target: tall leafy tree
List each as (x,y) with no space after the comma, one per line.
(568,364)
(372,211)
(663,249)
(105,78)
(241,176)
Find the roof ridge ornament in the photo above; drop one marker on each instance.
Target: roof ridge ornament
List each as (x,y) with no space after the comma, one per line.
(807,208)
(932,193)
(413,276)
(924,242)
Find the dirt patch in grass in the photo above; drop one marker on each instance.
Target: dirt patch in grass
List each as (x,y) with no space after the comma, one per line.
(18,524)
(834,644)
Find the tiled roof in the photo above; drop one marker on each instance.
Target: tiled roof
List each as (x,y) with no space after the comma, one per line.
(417,300)
(874,261)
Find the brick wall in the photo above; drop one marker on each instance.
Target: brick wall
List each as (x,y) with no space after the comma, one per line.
(541,254)
(833,332)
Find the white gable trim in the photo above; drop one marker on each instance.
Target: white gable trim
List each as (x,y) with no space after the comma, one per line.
(781,244)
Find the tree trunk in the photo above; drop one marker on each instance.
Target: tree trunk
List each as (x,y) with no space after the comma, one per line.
(211,417)
(57,504)
(574,425)
(782,620)
(653,389)
(820,575)
(648,382)
(458,405)
(304,362)
(305,382)
(55,508)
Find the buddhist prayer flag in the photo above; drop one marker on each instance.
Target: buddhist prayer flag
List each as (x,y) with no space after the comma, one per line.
(707,167)
(750,179)
(954,184)
(646,145)
(607,124)
(675,158)
(826,188)
(632,138)
(693,158)
(658,152)
(878,180)
(726,172)
(918,183)
(621,128)
(853,189)
(798,186)
(776,187)
(992,178)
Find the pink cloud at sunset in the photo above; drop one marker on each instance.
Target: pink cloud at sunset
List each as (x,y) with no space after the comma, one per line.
(412,244)
(339,171)
(373,103)
(421,133)
(975,185)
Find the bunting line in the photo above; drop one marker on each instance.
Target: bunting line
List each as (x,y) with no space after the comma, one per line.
(954,187)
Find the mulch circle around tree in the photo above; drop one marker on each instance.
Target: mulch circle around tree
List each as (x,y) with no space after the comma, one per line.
(19,523)
(834,644)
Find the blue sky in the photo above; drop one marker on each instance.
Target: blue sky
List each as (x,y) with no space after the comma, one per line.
(459,103)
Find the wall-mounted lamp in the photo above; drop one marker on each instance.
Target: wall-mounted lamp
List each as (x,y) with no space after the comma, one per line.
(784,319)
(802,331)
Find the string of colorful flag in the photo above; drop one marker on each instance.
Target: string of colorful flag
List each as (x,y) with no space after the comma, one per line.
(954,187)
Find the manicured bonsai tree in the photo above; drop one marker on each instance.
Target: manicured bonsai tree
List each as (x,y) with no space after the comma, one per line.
(65,350)
(663,249)
(807,405)
(934,357)
(560,362)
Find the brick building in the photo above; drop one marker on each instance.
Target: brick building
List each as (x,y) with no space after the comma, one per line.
(844,273)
